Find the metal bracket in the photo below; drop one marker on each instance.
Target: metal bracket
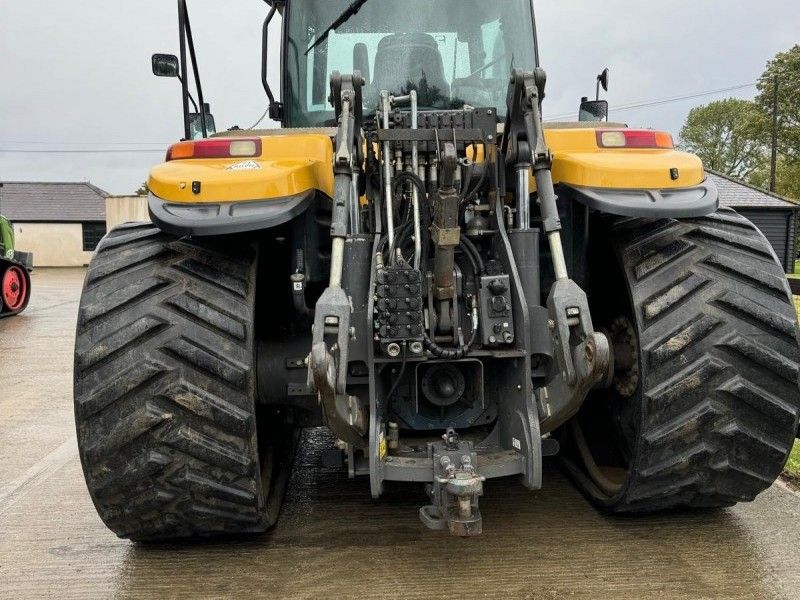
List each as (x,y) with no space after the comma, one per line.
(327,368)
(455,489)
(328,361)
(582,355)
(524,140)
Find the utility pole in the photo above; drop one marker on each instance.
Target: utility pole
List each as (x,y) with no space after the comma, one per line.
(773,172)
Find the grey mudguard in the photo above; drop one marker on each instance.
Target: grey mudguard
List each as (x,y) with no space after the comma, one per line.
(24,258)
(222,218)
(680,203)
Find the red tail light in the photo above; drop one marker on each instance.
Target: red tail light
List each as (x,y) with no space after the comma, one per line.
(634,138)
(240,148)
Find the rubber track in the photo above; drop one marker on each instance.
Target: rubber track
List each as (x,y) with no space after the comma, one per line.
(718,331)
(165,386)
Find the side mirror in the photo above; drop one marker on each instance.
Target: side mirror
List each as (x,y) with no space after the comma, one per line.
(593,110)
(602,79)
(166,65)
(361,61)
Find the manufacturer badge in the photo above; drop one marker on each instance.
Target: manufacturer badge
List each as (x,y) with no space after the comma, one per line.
(248,165)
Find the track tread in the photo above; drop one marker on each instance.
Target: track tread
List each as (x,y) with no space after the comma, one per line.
(762,356)
(688,333)
(720,399)
(165,386)
(674,295)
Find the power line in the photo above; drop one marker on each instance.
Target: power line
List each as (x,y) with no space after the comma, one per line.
(688,97)
(161,149)
(42,143)
(662,101)
(72,151)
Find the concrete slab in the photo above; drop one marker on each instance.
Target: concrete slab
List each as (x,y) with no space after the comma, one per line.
(332,541)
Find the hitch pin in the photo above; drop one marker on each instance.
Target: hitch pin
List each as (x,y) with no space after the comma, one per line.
(573,316)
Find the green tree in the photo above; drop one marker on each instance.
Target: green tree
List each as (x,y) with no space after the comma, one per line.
(788,178)
(729,136)
(143,190)
(786,68)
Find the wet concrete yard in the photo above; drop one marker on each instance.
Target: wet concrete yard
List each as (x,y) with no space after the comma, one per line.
(332,540)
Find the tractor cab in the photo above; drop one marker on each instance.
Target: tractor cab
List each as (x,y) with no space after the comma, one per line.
(453,53)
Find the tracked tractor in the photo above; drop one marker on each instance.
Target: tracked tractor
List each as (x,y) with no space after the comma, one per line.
(455,288)
(15,267)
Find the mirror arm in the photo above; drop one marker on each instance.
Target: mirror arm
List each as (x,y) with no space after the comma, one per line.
(535,36)
(184,81)
(265,51)
(275,108)
(191,98)
(195,68)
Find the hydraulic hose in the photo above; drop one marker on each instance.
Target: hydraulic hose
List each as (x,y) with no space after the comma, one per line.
(475,268)
(401,179)
(401,235)
(399,377)
(454,353)
(471,194)
(467,244)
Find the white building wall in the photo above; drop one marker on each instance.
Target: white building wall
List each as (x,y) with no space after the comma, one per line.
(125,209)
(52,244)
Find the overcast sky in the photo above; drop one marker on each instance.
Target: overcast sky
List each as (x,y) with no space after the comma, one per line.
(76,75)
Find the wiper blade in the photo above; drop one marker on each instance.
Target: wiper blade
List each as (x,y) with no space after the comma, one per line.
(340,20)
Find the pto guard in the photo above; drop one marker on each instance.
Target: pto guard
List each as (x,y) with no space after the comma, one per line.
(679,203)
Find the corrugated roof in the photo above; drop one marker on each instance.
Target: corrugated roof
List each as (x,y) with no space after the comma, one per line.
(737,194)
(28,201)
